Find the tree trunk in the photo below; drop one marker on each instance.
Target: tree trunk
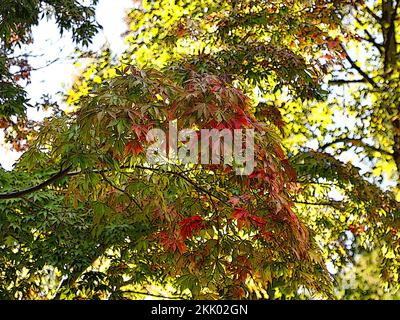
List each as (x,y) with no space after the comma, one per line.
(389,15)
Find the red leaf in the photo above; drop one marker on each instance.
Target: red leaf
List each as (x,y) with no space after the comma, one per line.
(289,170)
(241,215)
(280,152)
(134,146)
(240,121)
(333,44)
(258,221)
(238,292)
(171,242)
(181,247)
(190,225)
(258,173)
(267,235)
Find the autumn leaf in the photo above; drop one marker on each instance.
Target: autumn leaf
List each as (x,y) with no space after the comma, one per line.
(135,147)
(190,226)
(258,221)
(239,121)
(241,215)
(172,241)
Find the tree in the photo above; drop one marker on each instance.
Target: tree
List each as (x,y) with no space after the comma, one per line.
(371,84)
(16,21)
(200,229)
(362,280)
(364,97)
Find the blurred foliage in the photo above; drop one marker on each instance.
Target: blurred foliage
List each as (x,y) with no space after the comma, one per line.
(362,280)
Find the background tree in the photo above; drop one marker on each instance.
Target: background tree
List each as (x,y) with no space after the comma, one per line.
(16,21)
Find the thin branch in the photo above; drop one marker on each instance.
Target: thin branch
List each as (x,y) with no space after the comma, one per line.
(332,203)
(70,281)
(371,39)
(49,63)
(373,14)
(65,172)
(37,205)
(151,294)
(360,71)
(200,188)
(121,190)
(345,81)
(181,175)
(357,143)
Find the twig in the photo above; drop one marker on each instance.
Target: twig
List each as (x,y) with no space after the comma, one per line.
(151,294)
(344,81)
(357,143)
(121,190)
(360,71)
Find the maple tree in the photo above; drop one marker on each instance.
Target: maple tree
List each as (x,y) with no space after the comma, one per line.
(108,224)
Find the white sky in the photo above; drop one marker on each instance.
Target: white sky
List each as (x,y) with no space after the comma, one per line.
(57,77)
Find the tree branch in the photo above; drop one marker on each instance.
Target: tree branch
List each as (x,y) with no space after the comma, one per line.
(344,81)
(21,193)
(369,37)
(65,172)
(121,190)
(357,143)
(360,71)
(151,294)
(323,203)
(373,14)
(389,33)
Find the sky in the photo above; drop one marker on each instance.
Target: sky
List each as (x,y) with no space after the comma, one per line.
(57,77)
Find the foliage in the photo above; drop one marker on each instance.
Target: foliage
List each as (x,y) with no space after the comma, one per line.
(16,21)
(200,227)
(362,281)
(201,231)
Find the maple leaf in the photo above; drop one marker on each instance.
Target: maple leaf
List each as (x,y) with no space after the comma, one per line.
(190,225)
(141,130)
(180,244)
(258,221)
(333,44)
(289,170)
(172,241)
(279,152)
(258,173)
(241,215)
(213,124)
(267,235)
(242,268)
(134,146)
(238,292)
(239,121)
(181,31)
(4,124)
